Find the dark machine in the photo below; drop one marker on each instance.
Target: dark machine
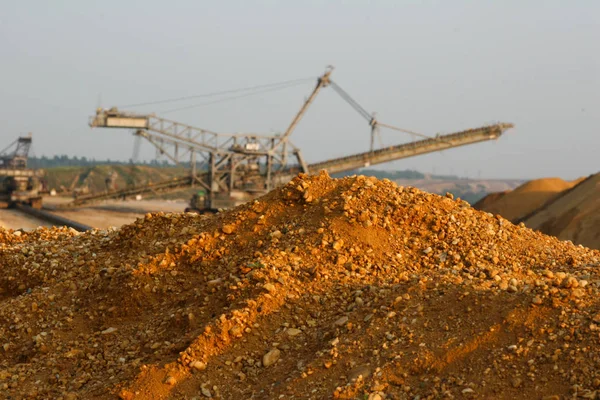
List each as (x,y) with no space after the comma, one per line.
(19,184)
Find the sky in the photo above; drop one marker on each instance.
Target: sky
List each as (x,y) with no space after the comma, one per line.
(428,66)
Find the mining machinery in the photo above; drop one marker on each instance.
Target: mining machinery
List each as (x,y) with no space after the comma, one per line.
(19,183)
(239,167)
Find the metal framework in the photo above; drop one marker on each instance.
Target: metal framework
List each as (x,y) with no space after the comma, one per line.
(15,155)
(251,164)
(233,162)
(248,163)
(17,182)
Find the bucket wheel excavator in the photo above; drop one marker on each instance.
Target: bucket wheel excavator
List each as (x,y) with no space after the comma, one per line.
(235,168)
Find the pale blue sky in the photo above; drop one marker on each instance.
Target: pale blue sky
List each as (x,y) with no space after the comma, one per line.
(429,66)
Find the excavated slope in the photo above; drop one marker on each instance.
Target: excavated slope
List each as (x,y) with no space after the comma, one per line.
(350,288)
(574,216)
(489,200)
(518,203)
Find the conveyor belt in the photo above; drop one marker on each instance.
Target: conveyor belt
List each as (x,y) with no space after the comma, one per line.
(442,142)
(412,149)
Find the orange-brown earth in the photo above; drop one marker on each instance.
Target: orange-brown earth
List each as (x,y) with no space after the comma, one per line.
(516,204)
(574,215)
(350,288)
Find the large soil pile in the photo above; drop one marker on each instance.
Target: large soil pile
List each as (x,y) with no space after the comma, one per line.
(489,200)
(574,216)
(516,204)
(351,288)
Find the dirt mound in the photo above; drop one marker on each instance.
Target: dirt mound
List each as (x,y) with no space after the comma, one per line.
(518,203)
(489,200)
(573,216)
(350,288)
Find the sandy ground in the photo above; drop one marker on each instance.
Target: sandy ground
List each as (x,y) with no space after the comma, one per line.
(575,215)
(101,219)
(142,206)
(517,204)
(117,213)
(101,215)
(13,219)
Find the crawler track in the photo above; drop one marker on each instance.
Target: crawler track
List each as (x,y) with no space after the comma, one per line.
(52,218)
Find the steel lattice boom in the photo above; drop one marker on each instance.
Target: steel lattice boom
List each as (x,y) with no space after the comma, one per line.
(237,167)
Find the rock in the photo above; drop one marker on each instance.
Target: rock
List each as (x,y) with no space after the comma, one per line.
(198,365)
(338,244)
(170,380)
(269,287)
(427,250)
(375,396)
(491,272)
(228,229)
(206,392)
(73,353)
(537,300)
(570,282)
(271,357)
(362,370)
(341,321)
(293,331)
(214,282)
(236,331)
(276,234)
(516,382)
(467,391)
(109,331)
